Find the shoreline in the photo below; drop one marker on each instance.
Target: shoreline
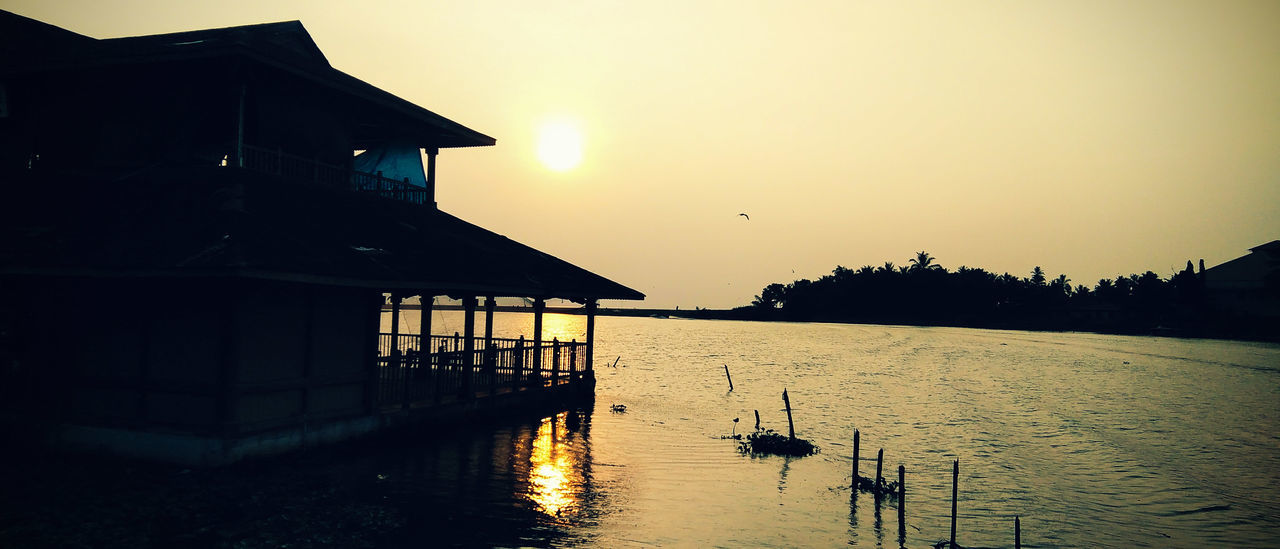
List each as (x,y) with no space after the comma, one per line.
(749,315)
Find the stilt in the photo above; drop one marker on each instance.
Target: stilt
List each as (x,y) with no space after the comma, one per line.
(955,491)
(855,460)
(791,426)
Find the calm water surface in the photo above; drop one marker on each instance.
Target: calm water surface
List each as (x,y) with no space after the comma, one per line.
(1093,440)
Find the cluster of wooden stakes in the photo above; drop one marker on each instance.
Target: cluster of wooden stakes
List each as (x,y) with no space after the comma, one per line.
(879,487)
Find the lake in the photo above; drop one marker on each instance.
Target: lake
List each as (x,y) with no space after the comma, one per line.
(1092,440)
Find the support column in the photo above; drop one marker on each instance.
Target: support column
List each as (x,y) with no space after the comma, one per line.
(490,354)
(426,370)
(431,176)
(539,305)
(469,346)
(424,325)
(517,365)
(394,361)
(591,338)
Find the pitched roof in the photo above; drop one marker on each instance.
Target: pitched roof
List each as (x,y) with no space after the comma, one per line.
(30,46)
(176,221)
(1249,271)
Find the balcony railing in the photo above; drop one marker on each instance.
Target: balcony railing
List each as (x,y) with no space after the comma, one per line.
(388,188)
(300,168)
(407,376)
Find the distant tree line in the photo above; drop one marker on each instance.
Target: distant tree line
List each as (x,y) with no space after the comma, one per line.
(925,293)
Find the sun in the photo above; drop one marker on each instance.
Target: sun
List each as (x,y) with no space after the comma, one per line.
(560,145)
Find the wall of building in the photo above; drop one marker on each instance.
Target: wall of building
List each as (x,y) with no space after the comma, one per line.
(300,354)
(203,356)
(131,353)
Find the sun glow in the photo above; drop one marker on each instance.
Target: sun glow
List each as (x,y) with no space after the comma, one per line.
(560,145)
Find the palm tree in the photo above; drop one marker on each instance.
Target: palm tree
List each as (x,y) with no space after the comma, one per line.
(1037,276)
(923,262)
(774,296)
(1061,285)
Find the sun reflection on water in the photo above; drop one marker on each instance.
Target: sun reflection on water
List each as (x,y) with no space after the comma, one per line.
(555,483)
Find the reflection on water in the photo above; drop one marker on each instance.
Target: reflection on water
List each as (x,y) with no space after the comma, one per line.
(1095,441)
(556,479)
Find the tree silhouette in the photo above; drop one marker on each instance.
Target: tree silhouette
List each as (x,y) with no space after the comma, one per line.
(924,292)
(1037,276)
(923,262)
(772,296)
(1060,287)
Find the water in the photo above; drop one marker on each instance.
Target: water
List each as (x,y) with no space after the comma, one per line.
(1093,440)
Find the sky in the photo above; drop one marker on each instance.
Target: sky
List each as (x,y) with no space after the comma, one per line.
(1091,138)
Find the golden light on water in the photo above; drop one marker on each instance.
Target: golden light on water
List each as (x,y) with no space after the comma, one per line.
(564,327)
(555,485)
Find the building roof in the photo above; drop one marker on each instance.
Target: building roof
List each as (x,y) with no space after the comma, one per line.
(197,221)
(30,46)
(1246,272)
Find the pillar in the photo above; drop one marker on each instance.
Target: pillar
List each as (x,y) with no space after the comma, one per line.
(539,305)
(591,338)
(426,360)
(490,354)
(424,325)
(431,176)
(394,360)
(468,345)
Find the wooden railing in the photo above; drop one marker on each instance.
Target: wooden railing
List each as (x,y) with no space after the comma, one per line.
(388,188)
(407,376)
(278,162)
(283,164)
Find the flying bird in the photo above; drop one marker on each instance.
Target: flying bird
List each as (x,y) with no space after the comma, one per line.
(746,216)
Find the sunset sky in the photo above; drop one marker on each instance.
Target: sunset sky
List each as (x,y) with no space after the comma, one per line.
(1090,138)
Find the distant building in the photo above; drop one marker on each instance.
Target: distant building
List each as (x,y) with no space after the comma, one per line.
(193,262)
(1248,285)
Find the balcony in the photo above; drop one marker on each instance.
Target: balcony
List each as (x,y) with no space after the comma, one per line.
(408,377)
(299,168)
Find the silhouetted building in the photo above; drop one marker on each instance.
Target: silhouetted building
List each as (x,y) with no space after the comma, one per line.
(1248,285)
(193,261)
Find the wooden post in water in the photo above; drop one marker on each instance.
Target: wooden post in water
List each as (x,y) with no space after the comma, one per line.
(791,426)
(902,505)
(879,477)
(726,374)
(1017,533)
(955,490)
(855,460)
(757,419)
